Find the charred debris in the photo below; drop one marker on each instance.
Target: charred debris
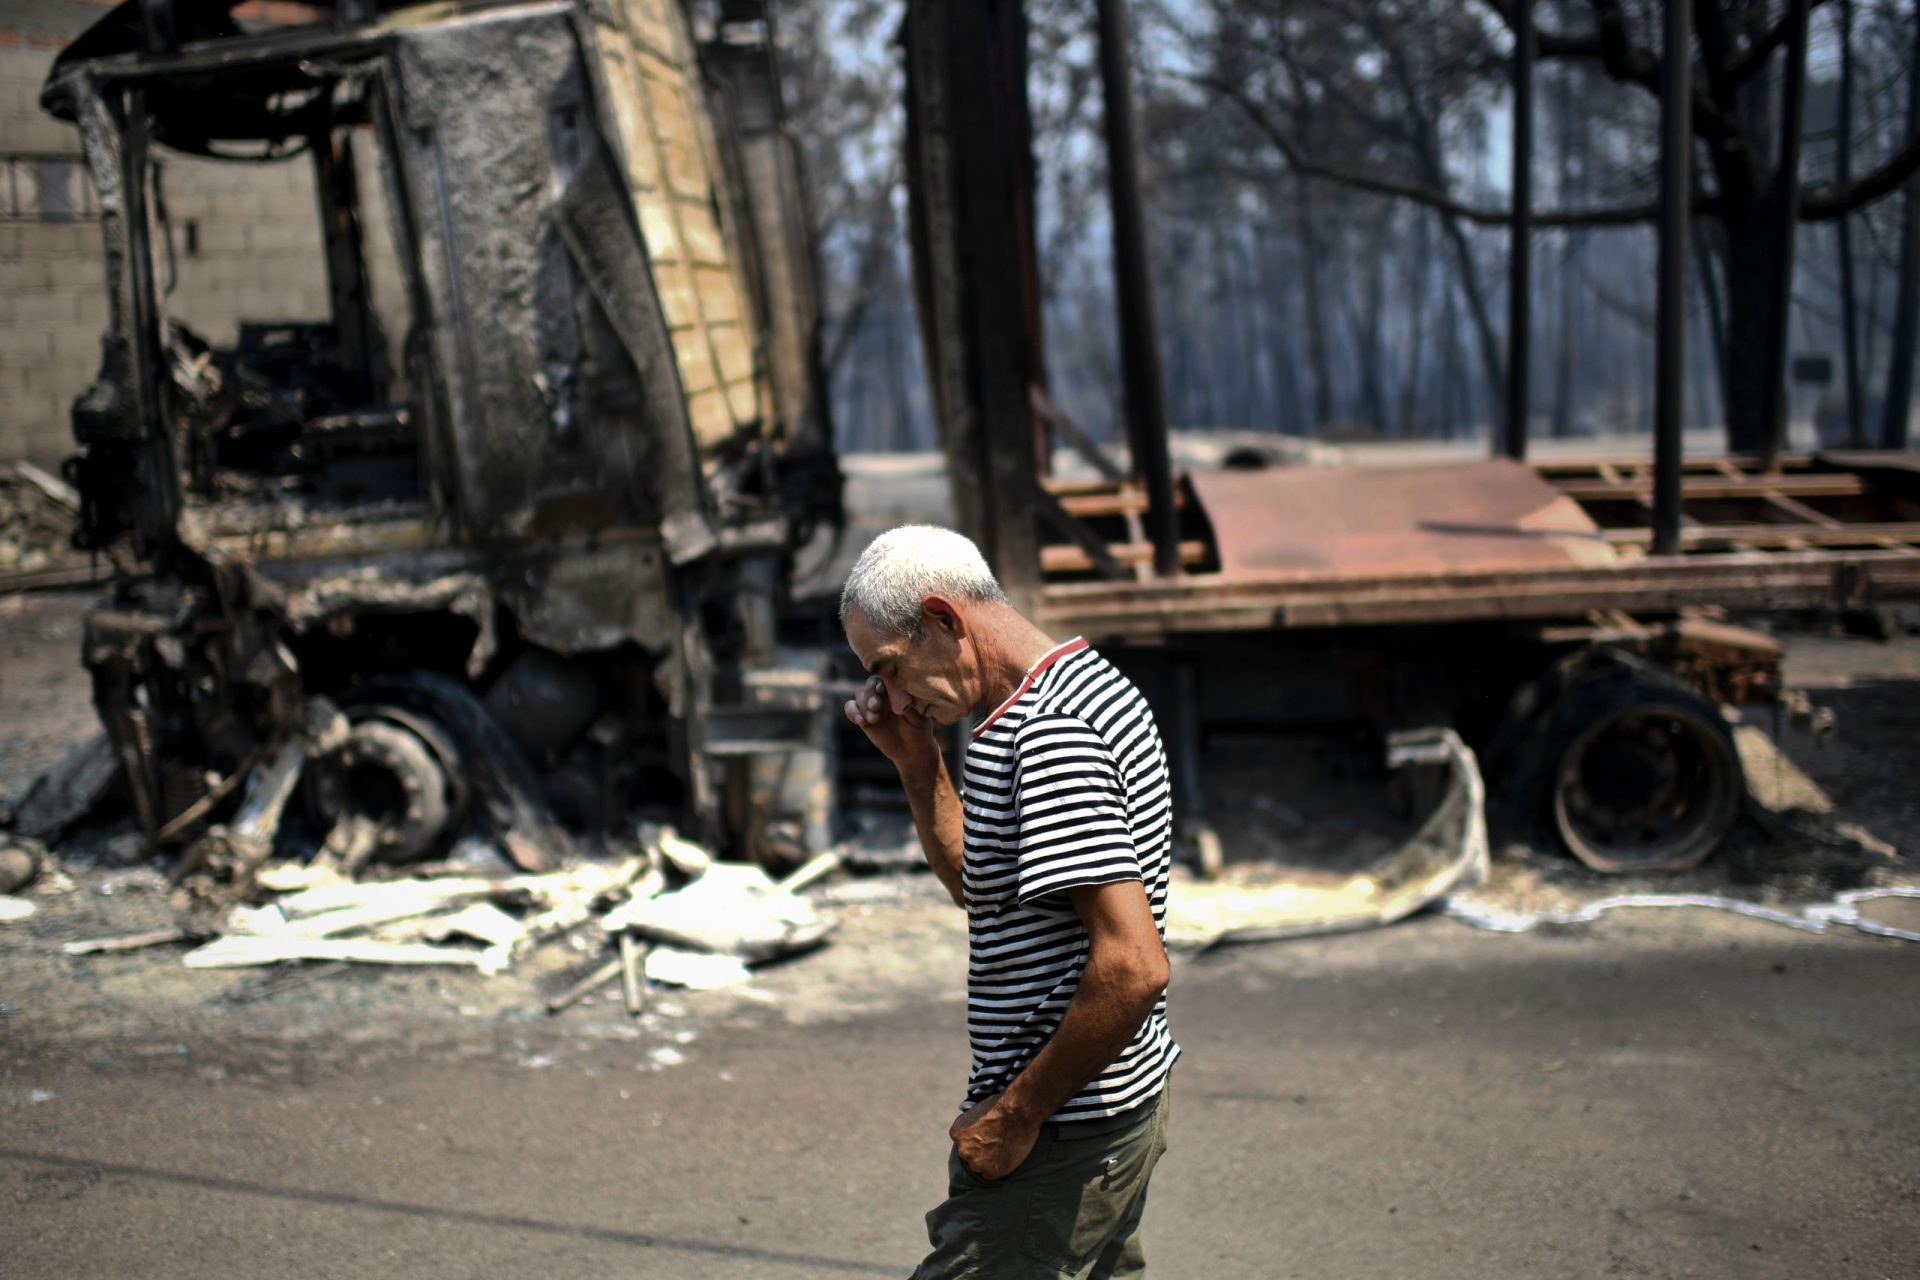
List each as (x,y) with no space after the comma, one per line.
(501,548)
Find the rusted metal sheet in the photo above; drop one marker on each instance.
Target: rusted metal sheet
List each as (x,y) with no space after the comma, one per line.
(1482,517)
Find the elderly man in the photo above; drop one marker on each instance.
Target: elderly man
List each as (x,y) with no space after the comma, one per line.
(1059,854)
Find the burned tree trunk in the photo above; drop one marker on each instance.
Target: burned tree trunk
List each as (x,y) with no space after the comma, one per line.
(1492,361)
(1316,316)
(1367,319)
(1416,323)
(1753,286)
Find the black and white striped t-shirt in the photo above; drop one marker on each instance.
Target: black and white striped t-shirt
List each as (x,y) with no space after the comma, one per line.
(1065,786)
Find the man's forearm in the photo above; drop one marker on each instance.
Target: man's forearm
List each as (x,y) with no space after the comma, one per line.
(939,818)
(1114,998)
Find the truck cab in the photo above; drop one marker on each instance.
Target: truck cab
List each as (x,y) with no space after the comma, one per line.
(521,505)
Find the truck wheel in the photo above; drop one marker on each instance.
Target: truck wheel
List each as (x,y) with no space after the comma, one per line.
(1641,772)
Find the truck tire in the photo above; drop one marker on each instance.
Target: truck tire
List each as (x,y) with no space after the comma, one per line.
(1635,771)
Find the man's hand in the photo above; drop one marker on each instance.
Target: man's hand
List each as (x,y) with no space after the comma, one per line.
(904,737)
(991,1142)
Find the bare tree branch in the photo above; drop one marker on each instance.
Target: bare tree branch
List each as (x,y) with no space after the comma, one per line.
(1419,193)
(1613,48)
(1754,57)
(1819,204)
(870,283)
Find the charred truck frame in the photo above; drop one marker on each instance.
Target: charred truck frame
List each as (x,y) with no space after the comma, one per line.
(1547,611)
(527,577)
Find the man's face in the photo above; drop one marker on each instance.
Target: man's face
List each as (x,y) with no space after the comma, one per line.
(930,673)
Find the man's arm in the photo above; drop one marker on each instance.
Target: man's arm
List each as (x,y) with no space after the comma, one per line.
(938,817)
(906,738)
(1126,972)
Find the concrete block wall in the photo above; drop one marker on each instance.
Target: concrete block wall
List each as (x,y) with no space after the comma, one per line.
(246,245)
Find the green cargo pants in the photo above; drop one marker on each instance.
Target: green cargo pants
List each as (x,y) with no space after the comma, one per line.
(1072,1210)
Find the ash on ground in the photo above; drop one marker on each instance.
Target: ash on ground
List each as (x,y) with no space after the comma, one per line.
(1307,810)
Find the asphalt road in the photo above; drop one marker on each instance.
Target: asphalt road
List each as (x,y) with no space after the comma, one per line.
(1673,1094)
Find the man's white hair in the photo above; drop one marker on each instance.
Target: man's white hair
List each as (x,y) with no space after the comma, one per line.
(906,565)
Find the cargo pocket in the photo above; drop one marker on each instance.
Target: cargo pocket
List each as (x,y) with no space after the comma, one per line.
(1067,1225)
(1082,1203)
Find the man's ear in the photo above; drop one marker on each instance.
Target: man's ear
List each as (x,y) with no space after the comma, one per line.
(938,611)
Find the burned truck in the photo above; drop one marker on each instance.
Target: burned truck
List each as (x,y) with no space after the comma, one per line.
(509,558)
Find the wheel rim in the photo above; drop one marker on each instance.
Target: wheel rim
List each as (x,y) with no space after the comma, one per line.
(1648,788)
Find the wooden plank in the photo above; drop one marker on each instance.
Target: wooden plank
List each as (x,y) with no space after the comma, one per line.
(1124,501)
(1786,464)
(631,985)
(1801,511)
(1088,551)
(1806,486)
(1220,602)
(580,990)
(1059,559)
(1774,535)
(1048,412)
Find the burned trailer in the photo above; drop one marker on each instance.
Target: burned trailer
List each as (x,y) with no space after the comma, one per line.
(1531,607)
(534,557)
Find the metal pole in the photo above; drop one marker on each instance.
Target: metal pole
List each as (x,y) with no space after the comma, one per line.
(1793,99)
(1670,324)
(1520,252)
(1146,407)
(1896,406)
(1843,174)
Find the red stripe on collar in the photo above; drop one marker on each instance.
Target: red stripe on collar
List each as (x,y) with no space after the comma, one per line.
(1034,672)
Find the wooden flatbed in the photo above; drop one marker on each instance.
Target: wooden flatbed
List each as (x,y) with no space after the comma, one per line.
(1486,541)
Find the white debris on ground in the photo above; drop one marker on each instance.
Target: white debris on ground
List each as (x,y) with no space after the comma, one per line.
(673,913)
(695,970)
(1814,917)
(386,922)
(730,909)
